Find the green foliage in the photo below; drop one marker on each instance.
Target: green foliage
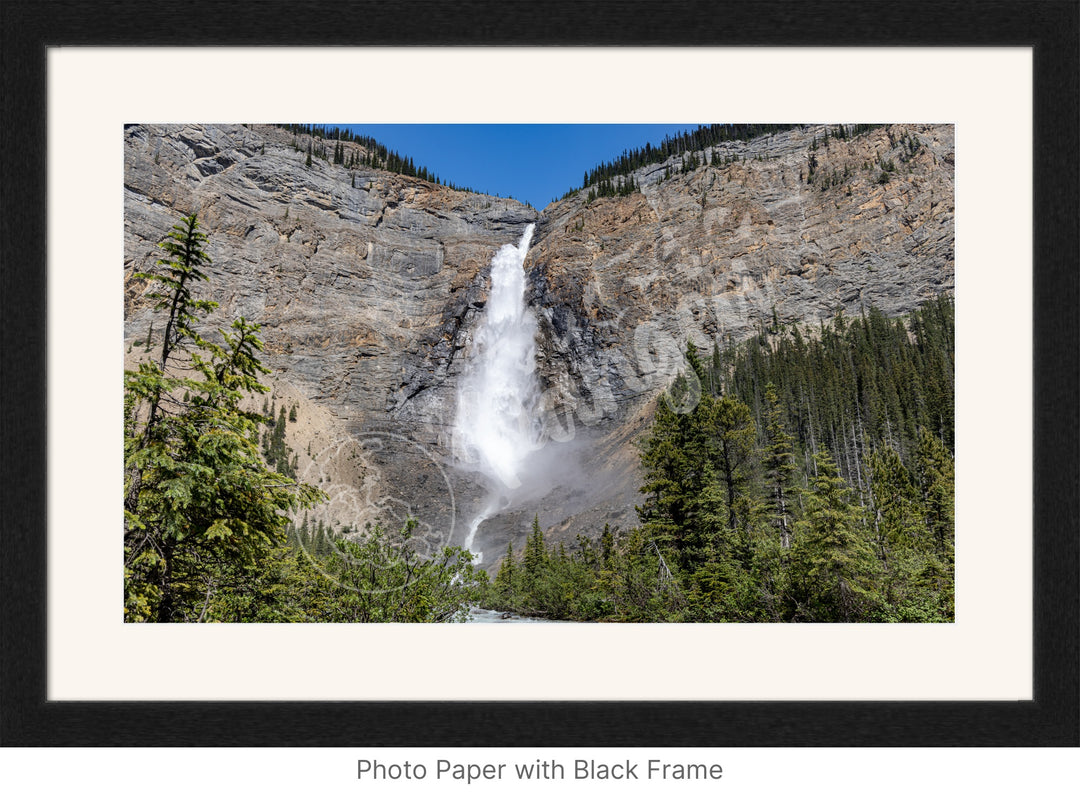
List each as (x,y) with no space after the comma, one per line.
(374,578)
(198,500)
(833,568)
(352,150)
(899,521)
(619,187)
(697,468)
(208,532)
(504,579)
(733,436)
(853,384)
(741,521)
(935,474)
(779,465)
(837,176)
(535,553)
(616,177)
(277,453)
(622,581)
(690,162)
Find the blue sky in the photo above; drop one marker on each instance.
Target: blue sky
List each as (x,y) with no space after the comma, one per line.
(533,163)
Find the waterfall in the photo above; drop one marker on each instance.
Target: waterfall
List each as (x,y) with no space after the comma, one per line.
(496,426)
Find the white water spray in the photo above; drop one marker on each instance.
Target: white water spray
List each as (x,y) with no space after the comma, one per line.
(496,426)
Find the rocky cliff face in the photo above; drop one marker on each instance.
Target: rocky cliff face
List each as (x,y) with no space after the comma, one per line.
(716,254)
(369,286)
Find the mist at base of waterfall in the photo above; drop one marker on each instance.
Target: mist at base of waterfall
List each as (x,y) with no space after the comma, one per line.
(497,432)
(554,471)
(500,442)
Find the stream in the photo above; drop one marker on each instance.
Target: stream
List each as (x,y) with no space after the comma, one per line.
(481,616)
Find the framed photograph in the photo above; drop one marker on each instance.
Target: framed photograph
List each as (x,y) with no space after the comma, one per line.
(957,125)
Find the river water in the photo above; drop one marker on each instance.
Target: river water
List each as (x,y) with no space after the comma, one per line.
(478,615)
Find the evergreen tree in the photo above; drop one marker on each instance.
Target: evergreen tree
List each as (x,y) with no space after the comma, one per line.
(779,464)
(694,362)
(733,434)
(178,270)
(607,546)
(504,579)
(935,472)
(199,503)
(535,551)
(898,514)
(674,466)
(832,561)
(727,535)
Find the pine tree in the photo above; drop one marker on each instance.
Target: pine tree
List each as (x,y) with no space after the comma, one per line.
(833,563)
(504,579)
(607,546)
(898,515)
(935,472)
(695,363)
(199,503)
(733,435)
(535,551)
(779,464)
(716,371)
(674,476)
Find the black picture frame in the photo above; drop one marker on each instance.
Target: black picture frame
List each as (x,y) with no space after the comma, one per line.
(1052,718)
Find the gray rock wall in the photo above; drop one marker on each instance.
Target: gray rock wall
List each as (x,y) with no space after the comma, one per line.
(712,255)
(369,286)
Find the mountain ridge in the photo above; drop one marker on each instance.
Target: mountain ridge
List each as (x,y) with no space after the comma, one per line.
(369,286)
